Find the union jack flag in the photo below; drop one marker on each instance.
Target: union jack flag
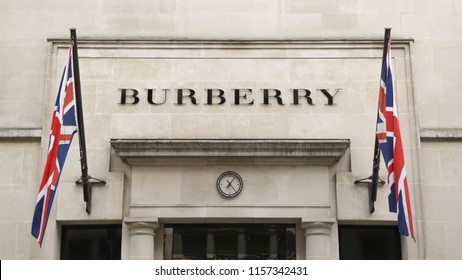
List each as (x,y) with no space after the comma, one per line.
(389,137)
(63,128)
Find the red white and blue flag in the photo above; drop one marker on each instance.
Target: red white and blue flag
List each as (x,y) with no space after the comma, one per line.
(389,137)
(63,128)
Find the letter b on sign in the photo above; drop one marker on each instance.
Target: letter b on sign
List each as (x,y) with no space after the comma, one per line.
(129,93)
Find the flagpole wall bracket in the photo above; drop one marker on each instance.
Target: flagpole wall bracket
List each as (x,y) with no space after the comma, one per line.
(88,183)
(367,180)
(372,190)
(93,181)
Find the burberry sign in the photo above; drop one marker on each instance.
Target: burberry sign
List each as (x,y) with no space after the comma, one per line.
(217,96)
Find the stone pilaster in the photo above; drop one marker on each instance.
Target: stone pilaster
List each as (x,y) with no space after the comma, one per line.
(141,232)
(317,240)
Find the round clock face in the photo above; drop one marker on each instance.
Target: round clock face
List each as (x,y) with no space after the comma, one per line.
(229,184)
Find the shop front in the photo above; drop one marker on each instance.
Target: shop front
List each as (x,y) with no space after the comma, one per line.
(232,149)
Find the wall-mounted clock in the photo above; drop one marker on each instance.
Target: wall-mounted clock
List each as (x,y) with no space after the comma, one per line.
(229,184)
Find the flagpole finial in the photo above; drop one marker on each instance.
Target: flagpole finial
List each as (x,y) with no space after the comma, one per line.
(387,31)
(73,36)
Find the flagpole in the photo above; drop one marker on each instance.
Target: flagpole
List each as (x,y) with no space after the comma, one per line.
(85,179)
(376,160)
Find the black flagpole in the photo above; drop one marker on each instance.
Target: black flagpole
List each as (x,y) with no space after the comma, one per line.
(374,179)
(85,179)
(376,160)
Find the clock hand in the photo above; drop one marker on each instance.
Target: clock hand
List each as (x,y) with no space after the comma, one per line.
(230,185)
(232,188)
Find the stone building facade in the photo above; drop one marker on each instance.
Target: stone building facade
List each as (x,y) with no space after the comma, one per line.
(281,93)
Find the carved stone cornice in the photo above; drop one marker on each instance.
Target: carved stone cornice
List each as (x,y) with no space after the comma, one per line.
(212,152)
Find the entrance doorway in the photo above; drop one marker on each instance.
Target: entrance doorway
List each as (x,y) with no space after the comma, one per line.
(229,241)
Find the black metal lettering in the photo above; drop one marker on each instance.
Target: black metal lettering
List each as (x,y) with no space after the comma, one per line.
(330,98)
(190,95)
(296,93)
(238,96)
(277,95)
(123,95)
(151,96)
(210,96)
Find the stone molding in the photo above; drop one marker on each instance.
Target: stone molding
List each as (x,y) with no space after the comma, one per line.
(211,152)
(322,228)
(184,48)
(230,43)
(20,134)
(141,225)
(441,134)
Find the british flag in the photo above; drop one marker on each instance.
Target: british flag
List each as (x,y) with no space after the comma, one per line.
(389,137)
(63,128)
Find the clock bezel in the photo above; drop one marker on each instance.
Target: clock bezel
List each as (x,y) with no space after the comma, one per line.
(238,191)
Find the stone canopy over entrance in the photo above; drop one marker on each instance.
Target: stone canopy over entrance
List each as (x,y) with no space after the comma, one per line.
(256,152)
(285,182)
